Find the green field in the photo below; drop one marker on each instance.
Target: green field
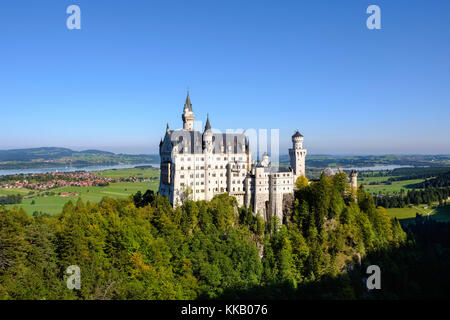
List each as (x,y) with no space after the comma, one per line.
(54,204)
(367,180)
(396,186)
(5,192)
(409,213)
(125,173)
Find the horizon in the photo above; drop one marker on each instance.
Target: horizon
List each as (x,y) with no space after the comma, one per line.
(315,67)
(281,154)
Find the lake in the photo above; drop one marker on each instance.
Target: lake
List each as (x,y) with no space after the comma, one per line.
(155,165)
(72,169)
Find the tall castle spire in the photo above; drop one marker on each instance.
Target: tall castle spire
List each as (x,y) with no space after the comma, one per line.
(208,125)
(188,114)
(187,103)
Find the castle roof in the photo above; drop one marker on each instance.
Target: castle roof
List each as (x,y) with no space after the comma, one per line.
(297,134)
(193,141)
(187,103)
(208,125)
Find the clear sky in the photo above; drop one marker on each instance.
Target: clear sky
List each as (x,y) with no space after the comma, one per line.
(307,65)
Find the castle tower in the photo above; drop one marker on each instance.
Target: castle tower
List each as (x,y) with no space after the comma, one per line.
(188,114)
(297,155)
(354,179)
(208,152)
(249,154)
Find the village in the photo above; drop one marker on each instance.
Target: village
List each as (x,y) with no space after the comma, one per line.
(48,181)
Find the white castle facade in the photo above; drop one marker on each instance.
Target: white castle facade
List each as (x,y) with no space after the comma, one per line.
(201,165)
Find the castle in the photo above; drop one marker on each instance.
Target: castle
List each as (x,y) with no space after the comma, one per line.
(201,165)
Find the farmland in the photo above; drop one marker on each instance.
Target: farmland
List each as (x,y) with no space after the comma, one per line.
(53,203)
(391,187)
(408,213)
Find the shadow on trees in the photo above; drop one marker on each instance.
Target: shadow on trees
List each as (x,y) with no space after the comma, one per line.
(419,269)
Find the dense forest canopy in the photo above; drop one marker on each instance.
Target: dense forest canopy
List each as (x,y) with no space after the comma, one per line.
(142,248)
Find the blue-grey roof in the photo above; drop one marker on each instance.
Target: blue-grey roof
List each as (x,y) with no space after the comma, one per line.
(192,141)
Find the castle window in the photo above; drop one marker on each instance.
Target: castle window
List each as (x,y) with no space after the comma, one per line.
(182,168)
(182,176)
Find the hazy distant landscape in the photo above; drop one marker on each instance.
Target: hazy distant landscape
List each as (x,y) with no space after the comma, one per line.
(63,157)
(52,157)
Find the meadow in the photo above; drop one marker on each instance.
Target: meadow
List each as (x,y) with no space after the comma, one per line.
(394,187)
(407,214)
(126,173)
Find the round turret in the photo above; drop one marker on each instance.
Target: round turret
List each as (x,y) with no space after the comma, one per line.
(297,140)
(188,114)
(354,179)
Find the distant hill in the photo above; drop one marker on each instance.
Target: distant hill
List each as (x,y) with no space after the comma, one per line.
(46,153)
(52,156)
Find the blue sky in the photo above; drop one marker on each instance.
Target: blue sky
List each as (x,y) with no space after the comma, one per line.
(307,65)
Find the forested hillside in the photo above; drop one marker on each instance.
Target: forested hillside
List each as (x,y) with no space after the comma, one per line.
(142,248)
